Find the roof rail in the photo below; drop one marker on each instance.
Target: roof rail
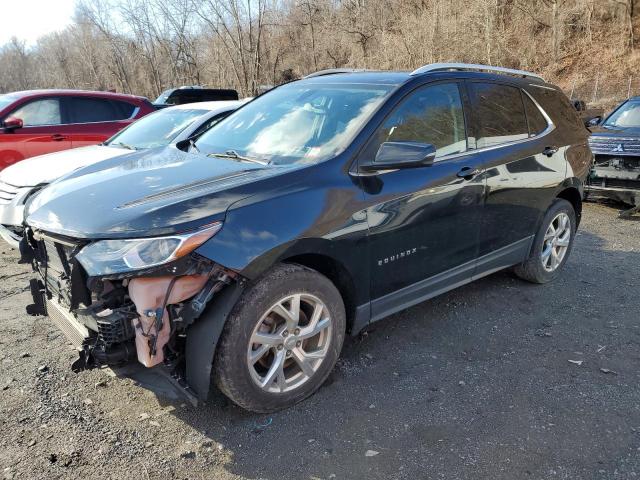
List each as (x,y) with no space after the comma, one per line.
(333,71)
(438,67)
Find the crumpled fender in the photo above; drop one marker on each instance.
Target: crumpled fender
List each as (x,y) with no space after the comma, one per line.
(203,336)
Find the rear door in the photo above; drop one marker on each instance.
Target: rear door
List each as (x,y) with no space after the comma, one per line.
(43,131)
(96,119)
(522,168)
(423,222)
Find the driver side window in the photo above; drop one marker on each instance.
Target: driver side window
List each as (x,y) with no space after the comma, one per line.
(432,114)
(39,113)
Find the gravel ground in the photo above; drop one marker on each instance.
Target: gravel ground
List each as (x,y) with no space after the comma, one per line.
(498,380)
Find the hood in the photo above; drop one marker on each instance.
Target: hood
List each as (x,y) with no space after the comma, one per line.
(615,132)
(46,168)
(147,193)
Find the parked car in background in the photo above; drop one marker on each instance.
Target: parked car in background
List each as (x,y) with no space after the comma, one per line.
(321,206)
(36,122)
(193,94)
(18,182)
(616,144)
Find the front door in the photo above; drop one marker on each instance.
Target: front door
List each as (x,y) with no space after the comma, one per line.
(43,132)
(423,222)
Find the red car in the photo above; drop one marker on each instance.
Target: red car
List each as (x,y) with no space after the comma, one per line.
(36,122)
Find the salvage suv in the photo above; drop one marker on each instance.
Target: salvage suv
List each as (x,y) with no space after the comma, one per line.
(616,145)
(322,206)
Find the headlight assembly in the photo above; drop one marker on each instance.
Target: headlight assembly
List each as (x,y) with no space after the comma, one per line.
(106,257)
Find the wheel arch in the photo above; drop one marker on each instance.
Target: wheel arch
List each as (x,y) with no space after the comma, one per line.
(337,273)
(574,197)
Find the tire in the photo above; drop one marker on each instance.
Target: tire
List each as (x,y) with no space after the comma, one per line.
(260,315)
(536,268)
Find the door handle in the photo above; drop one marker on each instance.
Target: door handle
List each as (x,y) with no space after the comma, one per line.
(56,137)
(550,151)
(467,173)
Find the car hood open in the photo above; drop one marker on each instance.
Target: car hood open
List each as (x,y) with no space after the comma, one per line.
(149,193)
(46,168)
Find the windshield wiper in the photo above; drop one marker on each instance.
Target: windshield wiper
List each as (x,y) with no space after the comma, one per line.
(124,145)
(235,156)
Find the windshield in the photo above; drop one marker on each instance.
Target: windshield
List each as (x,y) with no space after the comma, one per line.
(296,123)
(163,96)
(155,130)
(628,115)
(6,100)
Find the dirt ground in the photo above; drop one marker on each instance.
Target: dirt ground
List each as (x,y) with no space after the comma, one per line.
(498,380)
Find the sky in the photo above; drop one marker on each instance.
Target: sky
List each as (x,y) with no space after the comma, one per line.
(30,19)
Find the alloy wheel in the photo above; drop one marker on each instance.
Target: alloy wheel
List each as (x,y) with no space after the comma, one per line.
(289,343)
(556,242)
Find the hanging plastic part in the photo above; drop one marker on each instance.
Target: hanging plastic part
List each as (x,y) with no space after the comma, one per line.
(151,296)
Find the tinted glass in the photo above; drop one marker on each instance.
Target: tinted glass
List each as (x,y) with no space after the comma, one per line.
(430,115)
(88,110)
(537,122)
(156,129)
(39,112)
(628,115)
(300,122)
(500,113)
(124,110)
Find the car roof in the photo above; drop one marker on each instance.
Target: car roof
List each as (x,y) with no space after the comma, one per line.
(399,77)
(366,77)
(210,106)
(76,93)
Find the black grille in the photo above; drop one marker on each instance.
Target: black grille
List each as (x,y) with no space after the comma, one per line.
(57,256)
(116,327)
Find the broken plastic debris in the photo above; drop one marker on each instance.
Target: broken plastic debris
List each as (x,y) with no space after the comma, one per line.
(606,370)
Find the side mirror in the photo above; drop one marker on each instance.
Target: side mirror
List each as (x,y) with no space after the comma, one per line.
(594,122)
(395,155)
(12,123)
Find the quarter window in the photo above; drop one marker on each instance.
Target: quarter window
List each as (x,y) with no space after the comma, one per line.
(537,122)
(39,112)
(124,110)
(432,115)
(500,114)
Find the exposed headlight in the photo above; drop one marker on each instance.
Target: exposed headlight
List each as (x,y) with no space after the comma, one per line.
(106,257)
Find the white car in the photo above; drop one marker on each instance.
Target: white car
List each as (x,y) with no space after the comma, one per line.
(169,125)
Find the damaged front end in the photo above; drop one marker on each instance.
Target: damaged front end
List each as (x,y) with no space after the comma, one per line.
(121,300)
(615,173)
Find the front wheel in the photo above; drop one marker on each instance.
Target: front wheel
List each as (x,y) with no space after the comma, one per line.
(552,244)
(281,341)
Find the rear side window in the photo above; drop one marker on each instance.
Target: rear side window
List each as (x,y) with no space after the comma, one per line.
(500,114)
(89,110)
(124,110)
(39,113)
(537,122)
(431,114)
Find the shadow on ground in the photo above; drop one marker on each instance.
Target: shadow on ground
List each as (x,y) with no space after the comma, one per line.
(477,383)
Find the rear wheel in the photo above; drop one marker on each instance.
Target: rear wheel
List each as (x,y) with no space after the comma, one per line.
(282,339)
(552,244)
